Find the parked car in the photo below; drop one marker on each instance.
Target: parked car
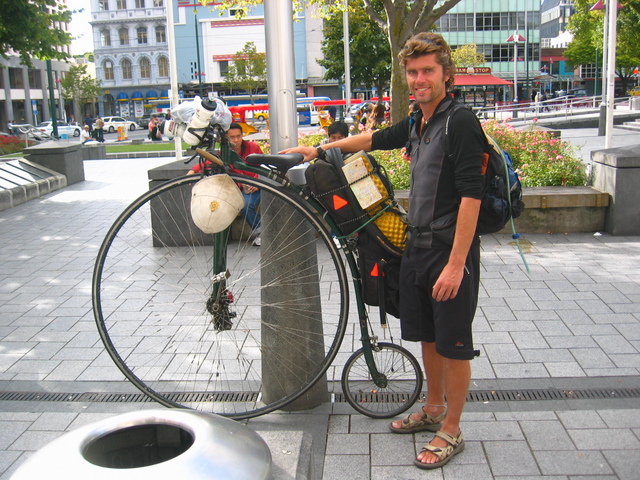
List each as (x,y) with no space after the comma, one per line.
(634,92)
(144,121)
(577,92)
(63,128)
(111,124)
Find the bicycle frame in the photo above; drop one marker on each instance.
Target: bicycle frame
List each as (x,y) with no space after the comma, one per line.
(218,304)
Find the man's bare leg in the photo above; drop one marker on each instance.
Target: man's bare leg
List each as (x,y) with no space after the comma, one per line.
(434,372)
(455,376)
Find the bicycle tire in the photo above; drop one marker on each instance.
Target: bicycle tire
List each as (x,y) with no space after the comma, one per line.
(149,299)
(403,376)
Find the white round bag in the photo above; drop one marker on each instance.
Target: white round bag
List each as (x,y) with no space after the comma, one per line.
(215,202)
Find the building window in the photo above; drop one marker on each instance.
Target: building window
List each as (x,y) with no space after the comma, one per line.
(145,68)
(161,34)
(15,78)
(103,5)
(108,70)
(123,34)
(224,68)
(35,79)
(122,4)
(105,37)
(142,35)
(127,73)
(158,3)
(139,3)
(163,67)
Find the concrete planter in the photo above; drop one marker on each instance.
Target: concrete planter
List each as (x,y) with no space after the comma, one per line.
(555,210)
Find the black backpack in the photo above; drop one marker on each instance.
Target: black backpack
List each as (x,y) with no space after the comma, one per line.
(379,231)
(502,192)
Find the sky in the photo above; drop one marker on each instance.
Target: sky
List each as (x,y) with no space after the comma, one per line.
(80,27)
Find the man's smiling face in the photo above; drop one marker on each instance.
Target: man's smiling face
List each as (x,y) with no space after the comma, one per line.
(426,79)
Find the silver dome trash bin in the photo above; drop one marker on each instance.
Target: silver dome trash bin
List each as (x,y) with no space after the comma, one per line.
(153,444)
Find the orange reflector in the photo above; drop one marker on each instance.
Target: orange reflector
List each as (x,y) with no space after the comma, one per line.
(338,202)
(374,270)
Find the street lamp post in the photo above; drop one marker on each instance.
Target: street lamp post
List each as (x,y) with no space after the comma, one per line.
(515,38)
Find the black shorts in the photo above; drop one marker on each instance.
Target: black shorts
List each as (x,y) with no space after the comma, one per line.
(447,323)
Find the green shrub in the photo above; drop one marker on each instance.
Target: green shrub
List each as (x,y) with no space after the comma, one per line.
(539,158)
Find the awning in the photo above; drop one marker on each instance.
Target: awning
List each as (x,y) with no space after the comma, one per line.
(151,95)
(122,97)
(473,80)
(136,96)
(164,94)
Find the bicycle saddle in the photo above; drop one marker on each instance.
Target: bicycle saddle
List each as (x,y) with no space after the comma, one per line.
(282,163)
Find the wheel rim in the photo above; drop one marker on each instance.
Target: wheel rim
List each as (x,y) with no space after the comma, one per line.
(150,306)
(403,382)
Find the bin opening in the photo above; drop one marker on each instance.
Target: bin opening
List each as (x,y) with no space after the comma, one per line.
(138,446)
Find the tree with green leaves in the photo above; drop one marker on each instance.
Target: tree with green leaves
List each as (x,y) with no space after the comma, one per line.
(368,49)
(467,56)
(399,20)
(30,29)
(248,71)
(80,87)
(587,28)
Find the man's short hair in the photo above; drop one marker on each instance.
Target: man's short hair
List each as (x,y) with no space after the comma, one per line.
(426,43)
(235,125)
(338,127)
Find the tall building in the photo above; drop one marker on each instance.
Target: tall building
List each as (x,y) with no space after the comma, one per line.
(207,40)
(557,73)
(131,56)
(490,24)
(24,91)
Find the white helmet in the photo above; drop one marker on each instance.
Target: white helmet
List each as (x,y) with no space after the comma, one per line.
(215,202)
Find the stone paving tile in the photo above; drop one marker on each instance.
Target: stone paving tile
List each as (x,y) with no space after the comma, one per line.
(34,440)
(572,462)
(620,418)
(610,439)
(592,358)
(582,419)
(403,472)
(353,466)
(489,431)
(529,340)
(546,435)
(502,457)
(564,369)
(503,353)
(520,370)
(390,449)
(614,344)
(625,463)
(347,444)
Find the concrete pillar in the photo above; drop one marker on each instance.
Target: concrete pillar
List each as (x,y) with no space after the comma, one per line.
(62,158)
(617,172)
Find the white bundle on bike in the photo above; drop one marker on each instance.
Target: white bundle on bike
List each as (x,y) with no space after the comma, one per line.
(197,115)
(215,202)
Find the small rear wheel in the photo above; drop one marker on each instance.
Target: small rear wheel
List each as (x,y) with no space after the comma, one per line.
(402,381)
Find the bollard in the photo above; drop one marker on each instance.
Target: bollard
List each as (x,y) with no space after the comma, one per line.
(165,444)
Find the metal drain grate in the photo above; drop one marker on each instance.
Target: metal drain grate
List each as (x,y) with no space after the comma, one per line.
(379,397)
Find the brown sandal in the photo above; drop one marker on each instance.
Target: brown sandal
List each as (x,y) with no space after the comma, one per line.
(444,454)
(426,422)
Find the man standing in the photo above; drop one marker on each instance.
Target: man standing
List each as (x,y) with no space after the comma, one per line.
(250,193)
(439,276)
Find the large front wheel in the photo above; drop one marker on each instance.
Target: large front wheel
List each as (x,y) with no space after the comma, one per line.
(239,339)
(395,391)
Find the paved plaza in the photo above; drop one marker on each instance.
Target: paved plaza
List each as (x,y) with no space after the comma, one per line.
(557,383)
